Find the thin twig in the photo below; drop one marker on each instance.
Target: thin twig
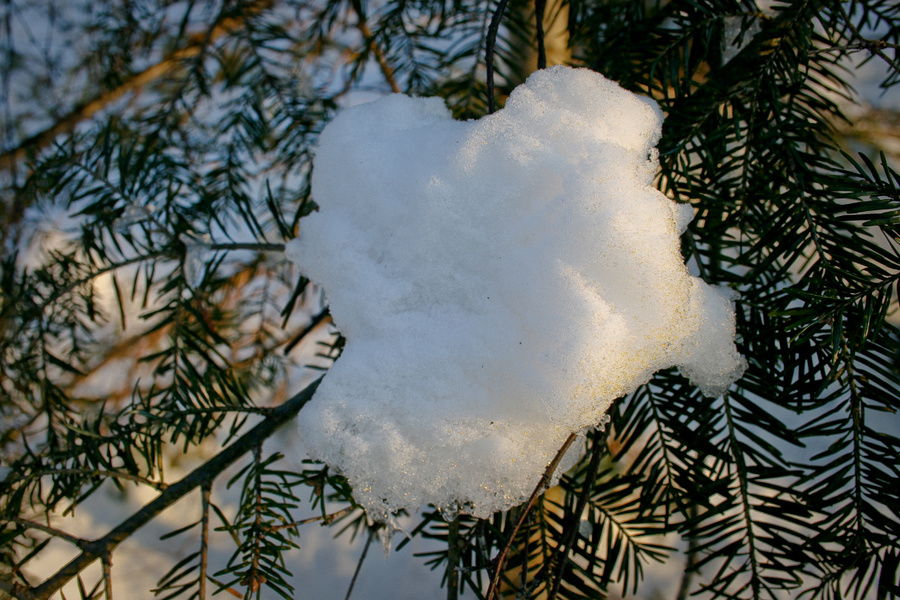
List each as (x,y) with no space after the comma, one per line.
(202,475)
(562,551)
(540,7)
(323,315)
(493,28)
(248,246)
(539,489)
(690,559)
(107,576)
(453,559)
(360,563)
(380,58)
(873,45)
(76,541)
(326,519)
(254,579)
(205,493)
(157,485)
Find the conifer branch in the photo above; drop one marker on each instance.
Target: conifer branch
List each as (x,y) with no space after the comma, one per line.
(540,7)
(199,477)
(376,50)
(489,45)
(57,533)
(196,46)
(539,489)
(205,492)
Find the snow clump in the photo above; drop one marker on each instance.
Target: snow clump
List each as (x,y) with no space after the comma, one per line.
(499,282)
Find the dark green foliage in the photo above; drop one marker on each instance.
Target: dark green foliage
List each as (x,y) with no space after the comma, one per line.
(159,153)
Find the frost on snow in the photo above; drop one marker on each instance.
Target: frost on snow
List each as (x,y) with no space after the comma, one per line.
(499,282)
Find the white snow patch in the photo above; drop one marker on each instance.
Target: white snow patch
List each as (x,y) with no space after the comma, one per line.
(500,282)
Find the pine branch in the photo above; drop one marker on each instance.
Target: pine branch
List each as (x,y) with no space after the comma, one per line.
(374,47)
(76,541)
(543,483)
(196,45)
(491,42)
(199,477)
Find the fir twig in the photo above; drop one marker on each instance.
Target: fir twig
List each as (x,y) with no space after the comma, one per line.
(490,43)
(362,557)
(500,560)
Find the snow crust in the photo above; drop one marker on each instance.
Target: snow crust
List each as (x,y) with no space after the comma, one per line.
(499,282)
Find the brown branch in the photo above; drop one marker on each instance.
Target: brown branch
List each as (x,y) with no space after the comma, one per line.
(256,246)
(380,57)
(539,489)
(326,519)
(85,110)
(453,559)
(562,551)
(875,46)
(77,541)
(107,576)
(109,474)
(872,45)
(198,478)
(205,493)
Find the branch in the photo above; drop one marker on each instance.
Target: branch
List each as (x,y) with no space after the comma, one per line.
(66,124)
(493,590)
(205,492)
(453,559)
(326,519)
(562,551)
(360,563)
(540,7)
(380,57)
(489,52)
(198,478)
(872,45)
(77,541)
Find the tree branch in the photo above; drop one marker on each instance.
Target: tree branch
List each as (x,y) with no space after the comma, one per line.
(77,541)
(539,489)
(380,57)
(66,124)
(562,551)
(205,493)
(490,43)
(540,7)
(199,477)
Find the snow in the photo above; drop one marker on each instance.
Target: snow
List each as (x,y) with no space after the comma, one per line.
(499,282)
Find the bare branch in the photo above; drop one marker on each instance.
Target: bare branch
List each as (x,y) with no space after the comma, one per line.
(326,519)
(539,7)
(493,29)
(204,539)
(562,551)
(539,489)
(383,64)
(107,576)
(77,541)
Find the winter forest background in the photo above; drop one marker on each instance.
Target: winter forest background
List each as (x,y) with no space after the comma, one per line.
(155,157)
